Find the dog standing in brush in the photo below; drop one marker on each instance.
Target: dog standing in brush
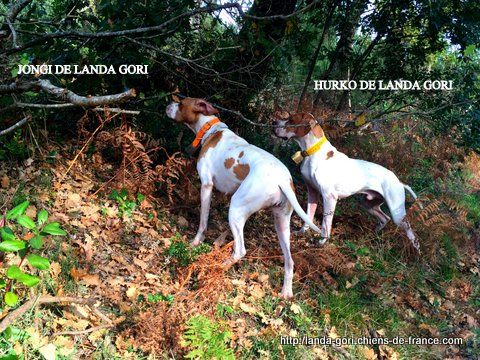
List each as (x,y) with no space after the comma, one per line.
(335,176)
(255,178)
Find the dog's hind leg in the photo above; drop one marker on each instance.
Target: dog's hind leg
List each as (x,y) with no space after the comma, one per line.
(248,199)
(372,202)
(282,226)
(396,205)
(313,197)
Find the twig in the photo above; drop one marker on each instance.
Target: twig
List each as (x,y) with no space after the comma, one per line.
(157,28)
(117,110)
(15,126)
(84,147)
(14,33)
(12,316)
(81,332)
(69,105)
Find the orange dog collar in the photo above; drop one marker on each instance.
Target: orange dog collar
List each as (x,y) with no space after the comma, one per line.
(202,132)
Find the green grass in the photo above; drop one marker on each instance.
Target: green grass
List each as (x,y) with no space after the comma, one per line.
(472,203)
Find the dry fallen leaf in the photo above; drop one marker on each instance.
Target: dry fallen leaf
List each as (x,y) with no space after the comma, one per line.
(333,333)
(31,212)
(295,308)
(82,275)
(132,292)
(48,351)
(248,308)
(5,182)
(369,353)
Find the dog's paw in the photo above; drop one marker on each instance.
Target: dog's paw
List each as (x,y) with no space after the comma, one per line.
(302,230)
(229,262)
(286,294)
(195,242)
(321,241)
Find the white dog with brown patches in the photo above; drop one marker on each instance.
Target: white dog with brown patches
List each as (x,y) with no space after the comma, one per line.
(334,175)
(256,179)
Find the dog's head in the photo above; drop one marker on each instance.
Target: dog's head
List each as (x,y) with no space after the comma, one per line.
(297,126)
(188,110)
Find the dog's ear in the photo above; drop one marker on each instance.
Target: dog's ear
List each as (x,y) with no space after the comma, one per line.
(204,107)
(307,117)
(175,98)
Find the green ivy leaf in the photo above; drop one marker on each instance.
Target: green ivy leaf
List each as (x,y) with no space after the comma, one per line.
(39,262)
(36,242)
(14,272)
(18,210)
(12,245)
(54,228)
(2,283)
(10,298)
(42,217)
(29,280)
(6,233)
(26,222)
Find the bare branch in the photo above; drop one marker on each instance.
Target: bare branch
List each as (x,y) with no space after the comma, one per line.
(18,312)
(73,98)
(16,87)
(16,8)
(14,33)
(43,106)
(15,126)
(69,105)
(149,29)
(313,61)
(10,17)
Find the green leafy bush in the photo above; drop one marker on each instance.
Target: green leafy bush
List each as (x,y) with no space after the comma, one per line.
(186,254)
(125,204)
(207,339)
(25,249)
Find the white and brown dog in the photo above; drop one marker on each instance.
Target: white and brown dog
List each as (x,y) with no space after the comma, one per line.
(334,175)
(255,177)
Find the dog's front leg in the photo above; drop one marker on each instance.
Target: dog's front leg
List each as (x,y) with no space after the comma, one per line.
(311,207)
(329,204)
(206,197)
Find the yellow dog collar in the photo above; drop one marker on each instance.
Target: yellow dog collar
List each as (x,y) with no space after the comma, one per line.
(300,155)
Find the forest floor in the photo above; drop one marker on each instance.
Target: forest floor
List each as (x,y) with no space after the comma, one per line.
(153,294)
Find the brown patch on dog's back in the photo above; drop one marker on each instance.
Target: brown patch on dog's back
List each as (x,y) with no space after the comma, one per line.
(229,162)
(211,142)
(241,171)
(330,154)
(240,155)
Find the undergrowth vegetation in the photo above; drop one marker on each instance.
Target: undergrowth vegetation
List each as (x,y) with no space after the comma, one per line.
(149,292)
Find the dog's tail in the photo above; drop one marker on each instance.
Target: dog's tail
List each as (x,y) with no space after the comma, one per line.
(409,189)
(292,199)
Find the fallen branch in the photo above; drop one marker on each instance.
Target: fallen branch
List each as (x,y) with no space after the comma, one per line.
(73,98)
(65,94)
(86,331)
(15,314)
(15,126)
